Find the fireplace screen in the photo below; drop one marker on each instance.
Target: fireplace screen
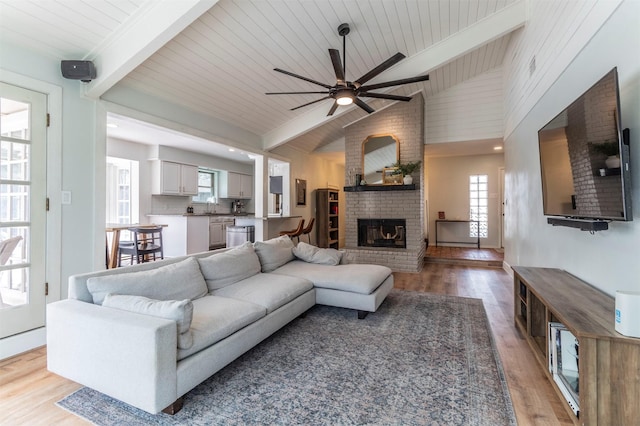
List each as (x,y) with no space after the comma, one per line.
(382,233)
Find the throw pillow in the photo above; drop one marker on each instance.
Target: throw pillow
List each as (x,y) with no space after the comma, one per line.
(176,281)
(180,311)
(221,270)
(274,253)
(313,254)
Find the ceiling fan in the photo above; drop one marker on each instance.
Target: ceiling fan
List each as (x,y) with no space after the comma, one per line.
(347,92)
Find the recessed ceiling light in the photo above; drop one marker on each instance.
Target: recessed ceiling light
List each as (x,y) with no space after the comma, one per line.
(497,148)
(112,125)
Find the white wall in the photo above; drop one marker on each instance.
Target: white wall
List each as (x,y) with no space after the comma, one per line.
(448,191)
(554,34)
(609,260)
(78,117)
(469,111)
(318,173)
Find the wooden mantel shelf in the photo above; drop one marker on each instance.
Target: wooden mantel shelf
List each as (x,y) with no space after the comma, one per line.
(362,188)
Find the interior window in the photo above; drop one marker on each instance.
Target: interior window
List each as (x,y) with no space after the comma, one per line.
(207,187)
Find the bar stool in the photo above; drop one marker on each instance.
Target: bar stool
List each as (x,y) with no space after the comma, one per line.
(307,230)
(146,245)
(295,233)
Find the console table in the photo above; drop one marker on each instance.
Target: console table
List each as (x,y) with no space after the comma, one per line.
(609,368)
(444,221)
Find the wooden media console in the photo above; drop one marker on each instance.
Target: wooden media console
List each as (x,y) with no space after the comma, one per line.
(609,363)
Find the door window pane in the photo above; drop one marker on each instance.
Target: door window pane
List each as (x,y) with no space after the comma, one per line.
(15,119)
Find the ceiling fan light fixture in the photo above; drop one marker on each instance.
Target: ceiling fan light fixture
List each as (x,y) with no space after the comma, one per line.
(349,92)
(344,100)
(344,96)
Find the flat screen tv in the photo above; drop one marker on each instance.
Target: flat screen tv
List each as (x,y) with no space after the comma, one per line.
(584,157)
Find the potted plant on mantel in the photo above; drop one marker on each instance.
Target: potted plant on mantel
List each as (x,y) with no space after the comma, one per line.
(407,169)
(611,150)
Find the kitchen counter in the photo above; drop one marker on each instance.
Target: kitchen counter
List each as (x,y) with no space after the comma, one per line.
(204,214)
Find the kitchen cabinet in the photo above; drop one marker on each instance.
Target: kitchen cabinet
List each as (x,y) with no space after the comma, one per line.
(216,234)
(235,185)
(170,178)
(218,231)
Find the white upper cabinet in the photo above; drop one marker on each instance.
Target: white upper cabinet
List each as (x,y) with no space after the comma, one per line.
(171,178)
(235,185)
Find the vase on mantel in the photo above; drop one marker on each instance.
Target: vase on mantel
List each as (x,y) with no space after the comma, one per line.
(407,180)
(612,161)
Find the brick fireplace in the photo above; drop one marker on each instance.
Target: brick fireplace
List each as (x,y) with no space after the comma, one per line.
(404,120)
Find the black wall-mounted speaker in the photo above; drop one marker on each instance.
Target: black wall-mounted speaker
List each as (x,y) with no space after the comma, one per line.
(78,70)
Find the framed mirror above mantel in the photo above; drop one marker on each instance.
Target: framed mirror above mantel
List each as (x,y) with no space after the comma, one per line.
(378,152)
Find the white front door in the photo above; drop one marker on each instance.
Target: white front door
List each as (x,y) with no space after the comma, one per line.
(22,209)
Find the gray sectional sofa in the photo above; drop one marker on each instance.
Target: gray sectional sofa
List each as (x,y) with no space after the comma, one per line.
(149,333)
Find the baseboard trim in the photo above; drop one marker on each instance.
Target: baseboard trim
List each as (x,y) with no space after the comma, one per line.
(23,342)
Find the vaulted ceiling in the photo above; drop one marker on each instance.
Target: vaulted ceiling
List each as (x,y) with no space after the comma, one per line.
(217,57)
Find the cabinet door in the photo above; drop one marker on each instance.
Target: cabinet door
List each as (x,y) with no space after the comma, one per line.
(189,179)
(234,185)
(216,234)
(170,177)
(197,237)
(246,186)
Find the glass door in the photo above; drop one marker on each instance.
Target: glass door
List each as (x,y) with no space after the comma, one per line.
(22,209)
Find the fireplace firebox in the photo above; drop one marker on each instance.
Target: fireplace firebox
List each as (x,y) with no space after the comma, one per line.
(389,233)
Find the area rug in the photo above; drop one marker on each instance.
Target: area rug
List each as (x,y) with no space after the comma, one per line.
(421,359)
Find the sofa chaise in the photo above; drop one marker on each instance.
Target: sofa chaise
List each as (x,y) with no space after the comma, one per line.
(147,334)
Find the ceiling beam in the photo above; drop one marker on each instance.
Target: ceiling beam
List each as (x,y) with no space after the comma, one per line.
(482,32)
(146,31)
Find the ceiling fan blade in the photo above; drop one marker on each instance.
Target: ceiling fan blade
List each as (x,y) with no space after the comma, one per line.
(337,66)
(380,68)
(363,105)
(395,82)
(302,78)
(309,103)
(384,96)
(294,93)
(333,109)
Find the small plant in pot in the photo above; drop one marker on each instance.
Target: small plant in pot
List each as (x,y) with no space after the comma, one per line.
(407,169)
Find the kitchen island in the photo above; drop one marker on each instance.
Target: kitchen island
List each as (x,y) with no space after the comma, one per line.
(190,233)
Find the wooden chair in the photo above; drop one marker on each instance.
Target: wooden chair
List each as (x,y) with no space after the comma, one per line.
(307,230)
(295,233)
(146,245)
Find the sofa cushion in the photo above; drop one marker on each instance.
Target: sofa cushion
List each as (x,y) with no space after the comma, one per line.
(221,270)
(177,281)
(181,311)
(313,254)
(215,318)
(269,290)
(274,253)
(363,279)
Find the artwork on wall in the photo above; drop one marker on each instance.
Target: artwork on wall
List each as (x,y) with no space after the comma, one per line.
(301,192)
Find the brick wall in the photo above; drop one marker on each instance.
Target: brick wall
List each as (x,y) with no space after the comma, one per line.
(590,121)
(404,120)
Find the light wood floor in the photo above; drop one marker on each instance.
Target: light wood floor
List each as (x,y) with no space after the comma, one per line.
(28,391)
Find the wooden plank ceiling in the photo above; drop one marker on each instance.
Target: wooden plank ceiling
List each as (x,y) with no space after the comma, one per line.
(222,64)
